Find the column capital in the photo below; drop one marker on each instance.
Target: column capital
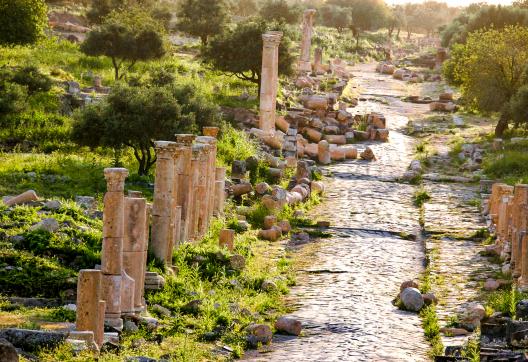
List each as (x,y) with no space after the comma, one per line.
(200,151)
(308,15)
(165,149)
(206,140)
(272,39)
(185,139)
(115,178)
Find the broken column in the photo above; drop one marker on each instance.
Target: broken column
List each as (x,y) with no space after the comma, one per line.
(89,301)
(185,141)
(112,253)
(268,81)
(318,61)
(219,192)
(135,246)
(323,152)
(162,223)
(305,66)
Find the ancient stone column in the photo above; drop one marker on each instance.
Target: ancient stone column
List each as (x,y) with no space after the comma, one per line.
(318,61)
(176,208)
(523,280)
(226,238)
(202,189)
(88,304)
(112,253)
(498,190)
(162,225)
(268,80)
(199,155)
(519,224)
(219,192)
(275,80)
(135,244)
(305,66)
(185,183)
(210,174)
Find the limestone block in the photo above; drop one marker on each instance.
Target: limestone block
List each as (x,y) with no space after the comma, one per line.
(282,124)
(351,152)
(316,102)
(323,152)
(335,139)
(317,187)
(113,214)
(111,256)
(377,120)
(269,221)
(284,226)
(302,189)
(242,189)
(289,326)
(368,154)
(88,297)
(127,294)
(24,197)
(303,171)
(313,135)
(337,154)
(111,290)
(272,234)
(382,135)
(210,131)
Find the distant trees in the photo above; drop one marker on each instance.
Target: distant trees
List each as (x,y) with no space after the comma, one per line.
(335,16)
(281,11)
(202,18)
(126,37)
(246,8)
(491,69)
(137,116)
(239,51)
(22,21)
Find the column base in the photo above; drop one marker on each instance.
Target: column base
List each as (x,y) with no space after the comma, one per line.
(522,284)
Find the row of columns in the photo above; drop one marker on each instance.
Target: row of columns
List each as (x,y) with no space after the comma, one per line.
(508,210)
(189,190)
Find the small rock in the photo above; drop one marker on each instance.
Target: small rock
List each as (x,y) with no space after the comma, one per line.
(521,309)
(412,299)
(300,238)
(243,225)
(50,225)
(429,298)
(268,286)
(491,284)
(408,284)
(368,155)
(258,334)
(129,326)
(193,306)
(289,326)
(140,359)
(237,262)
(156,308)
(86,202)
(52,205)
(323,224)
(8,352)
(262,188)
(506,269)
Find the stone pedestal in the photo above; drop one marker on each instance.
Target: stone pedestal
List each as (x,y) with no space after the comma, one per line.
(162,224)
(268,81)
(185,141)
(90,315)
(112,253)
(219,199)
(305,65)
(135,244)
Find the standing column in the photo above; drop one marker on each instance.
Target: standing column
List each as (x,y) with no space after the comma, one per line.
(212,132)
(134,245)
(198,151)
(210,175)
(162,223)
(219,192)
(275,80)
(519,223)
(268,80)
(305,65)
(201,204)
(176,208)
(112,254)
(88,304)
(185,141)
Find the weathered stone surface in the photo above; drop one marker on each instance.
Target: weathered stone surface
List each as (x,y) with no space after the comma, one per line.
(368,155)
(259,334)
(237,262)
(284,226)
(521,309)
(429,298)
(8,352)
(50,225)
(24,197)
(32,340)
(288,325)
(268,286)
(491,284)
(408,284)
(262,188)
(412,299)
(269,221)
(242,189)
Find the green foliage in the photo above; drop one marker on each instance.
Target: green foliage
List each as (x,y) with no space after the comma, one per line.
(12,98)
(334,16)
(508,164)
(246,8)
(519,106)
(504,301)
(239,51)
(22,21)
(281,11)
(101,8)
(126,37)
(137,116)
(31,78)
(202,18)
(234,145)
(62,315)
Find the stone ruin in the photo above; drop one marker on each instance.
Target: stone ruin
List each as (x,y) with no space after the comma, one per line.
(189,189)
(305,65)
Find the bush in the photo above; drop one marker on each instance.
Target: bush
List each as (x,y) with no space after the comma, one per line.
(22,21)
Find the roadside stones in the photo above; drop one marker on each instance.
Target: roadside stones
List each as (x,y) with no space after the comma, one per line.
(288,325)
(323,152)
(259,334)
(412,299)
(521,309)
(368,155)
(491,284)
(237,262)
(52,205)
(408,284)
(90,305)
(32,340)
(268,286)
(429,298)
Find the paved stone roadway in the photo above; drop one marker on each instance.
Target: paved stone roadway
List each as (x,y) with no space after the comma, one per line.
(344,292)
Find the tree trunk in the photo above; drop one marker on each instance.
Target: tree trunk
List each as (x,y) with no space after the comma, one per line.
(116,68)
(204,40)
(357,41)
(502,125)
(398,34)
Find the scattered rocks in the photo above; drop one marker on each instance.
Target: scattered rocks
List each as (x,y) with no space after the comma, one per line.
(491,284)
(429,298)
(130,326)
(408,284)
(521,309)
(160,310)
(52,205)
(289,326)
(154,281)
(23,198)
(50,225)
(412,299)
(237,262)
(86,202)
(268,286)
(193,307)
(32,340)
(454,331)
(368,155)
(258,334)
(300,238)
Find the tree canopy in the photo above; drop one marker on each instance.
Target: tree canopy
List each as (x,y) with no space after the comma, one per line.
(281,11)
(126,37)
(135,117)
(22,21)
(239,50)
(202,18)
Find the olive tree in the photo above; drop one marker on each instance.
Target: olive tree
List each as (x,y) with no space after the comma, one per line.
(202,18)
(126,37)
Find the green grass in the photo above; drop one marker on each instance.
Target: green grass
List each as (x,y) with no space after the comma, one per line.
(420,197)
(504,301)
(432,330)
(511,165)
